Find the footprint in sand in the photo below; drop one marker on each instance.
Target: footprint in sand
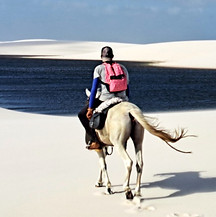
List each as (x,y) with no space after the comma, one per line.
(184,215)
(137,206)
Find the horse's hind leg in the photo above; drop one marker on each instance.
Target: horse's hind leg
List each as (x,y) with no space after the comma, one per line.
(139,168)
(103,171)
(137,137)
(128,165)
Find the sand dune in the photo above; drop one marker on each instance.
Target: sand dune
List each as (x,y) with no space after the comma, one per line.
(192,54)
(46,171)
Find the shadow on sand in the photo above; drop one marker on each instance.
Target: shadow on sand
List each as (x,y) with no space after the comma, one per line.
(185,183)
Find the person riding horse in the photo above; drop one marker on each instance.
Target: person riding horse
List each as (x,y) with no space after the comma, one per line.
(124,120)
(100,81)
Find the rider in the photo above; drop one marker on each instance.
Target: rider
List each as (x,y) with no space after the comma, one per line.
(99,79)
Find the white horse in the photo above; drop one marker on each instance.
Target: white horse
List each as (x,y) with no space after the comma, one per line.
(126,120)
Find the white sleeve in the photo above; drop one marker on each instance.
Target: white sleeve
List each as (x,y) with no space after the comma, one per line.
(96,72)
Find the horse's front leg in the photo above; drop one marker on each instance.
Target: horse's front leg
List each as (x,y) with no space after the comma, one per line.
(99,182)
(103,172)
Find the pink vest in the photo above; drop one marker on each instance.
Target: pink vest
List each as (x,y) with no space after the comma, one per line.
(115,77)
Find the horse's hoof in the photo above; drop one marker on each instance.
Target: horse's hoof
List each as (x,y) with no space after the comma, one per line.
(109,191)
(129,195)
(137,194)
(99,184)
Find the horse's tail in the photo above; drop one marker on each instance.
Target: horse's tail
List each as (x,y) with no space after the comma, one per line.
(156,131)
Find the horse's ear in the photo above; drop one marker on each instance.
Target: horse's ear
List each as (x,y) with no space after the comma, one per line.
(98,94)
(88,93)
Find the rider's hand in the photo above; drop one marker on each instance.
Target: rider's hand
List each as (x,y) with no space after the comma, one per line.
(89,113)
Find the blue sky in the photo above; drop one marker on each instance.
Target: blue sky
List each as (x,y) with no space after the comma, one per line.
(133,21)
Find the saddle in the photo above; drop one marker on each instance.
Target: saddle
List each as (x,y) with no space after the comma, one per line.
(98,118)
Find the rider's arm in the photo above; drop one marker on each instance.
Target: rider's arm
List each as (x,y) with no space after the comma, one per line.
(93,92)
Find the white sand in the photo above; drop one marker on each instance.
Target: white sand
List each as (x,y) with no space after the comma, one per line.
(193,54)
(46,171)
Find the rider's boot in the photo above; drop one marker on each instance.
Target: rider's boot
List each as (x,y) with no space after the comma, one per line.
(93,145)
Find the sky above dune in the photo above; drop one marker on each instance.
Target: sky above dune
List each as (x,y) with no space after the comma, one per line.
(133,21)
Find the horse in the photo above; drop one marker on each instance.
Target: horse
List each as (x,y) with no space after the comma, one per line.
(126,120)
